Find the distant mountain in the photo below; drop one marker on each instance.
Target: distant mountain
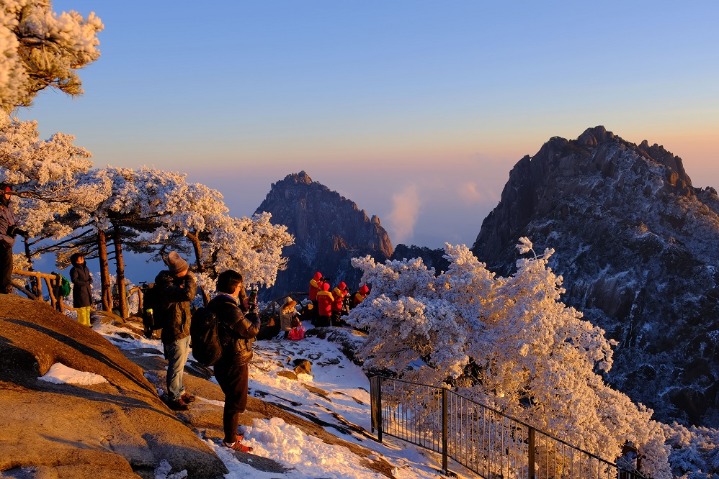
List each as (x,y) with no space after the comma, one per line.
(638,248)
(329,230)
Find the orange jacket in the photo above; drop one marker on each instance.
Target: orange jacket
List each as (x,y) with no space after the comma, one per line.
(324,303)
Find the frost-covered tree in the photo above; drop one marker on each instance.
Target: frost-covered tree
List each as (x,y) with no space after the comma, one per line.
(253,246)
(509,343)
(158,210)
(40,49)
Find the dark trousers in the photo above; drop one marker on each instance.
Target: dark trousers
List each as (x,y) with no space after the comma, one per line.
(233,379)
(323,321)
(5,269)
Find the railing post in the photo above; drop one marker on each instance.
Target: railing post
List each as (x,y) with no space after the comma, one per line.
(531,460)
(444,430)
(379,409)
(372,402)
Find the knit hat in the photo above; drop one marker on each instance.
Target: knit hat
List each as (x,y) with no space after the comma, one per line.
(364,289)
(176,264)
(317,276)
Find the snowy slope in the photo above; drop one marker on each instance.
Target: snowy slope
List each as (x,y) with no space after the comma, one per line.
(336,394)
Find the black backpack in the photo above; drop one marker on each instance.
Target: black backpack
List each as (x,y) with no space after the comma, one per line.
(154,313)
(205,337)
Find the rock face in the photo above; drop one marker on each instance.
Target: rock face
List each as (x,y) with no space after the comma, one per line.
(432,258)
(638,248)
(329,230)
(116,429)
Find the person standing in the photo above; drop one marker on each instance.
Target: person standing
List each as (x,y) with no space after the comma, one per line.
(339,294)
(324,305)
(177,289)
(81,288)
(359,296)
(315,287)
(237,332)
(7,238)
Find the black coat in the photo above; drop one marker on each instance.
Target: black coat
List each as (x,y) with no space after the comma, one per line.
(237,331)
(81,286)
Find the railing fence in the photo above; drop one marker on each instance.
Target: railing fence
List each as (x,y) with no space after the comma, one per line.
(484,440)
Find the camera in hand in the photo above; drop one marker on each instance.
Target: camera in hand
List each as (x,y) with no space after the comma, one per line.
(252,299)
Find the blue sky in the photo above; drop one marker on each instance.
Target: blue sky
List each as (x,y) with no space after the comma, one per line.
(416,111)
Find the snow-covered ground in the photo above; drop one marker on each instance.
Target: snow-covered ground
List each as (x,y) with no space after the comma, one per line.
(336,393)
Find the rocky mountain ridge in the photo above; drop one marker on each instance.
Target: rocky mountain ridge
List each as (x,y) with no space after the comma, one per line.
(638,248)
(329,230)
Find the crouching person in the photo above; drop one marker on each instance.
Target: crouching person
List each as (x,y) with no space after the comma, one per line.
(237,333)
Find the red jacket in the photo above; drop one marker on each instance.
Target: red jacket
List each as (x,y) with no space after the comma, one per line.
(314,288)
(358,298)
(324,303)
(339,295)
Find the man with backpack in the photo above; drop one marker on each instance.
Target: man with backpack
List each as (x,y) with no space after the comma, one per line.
(176,290)
(237,332)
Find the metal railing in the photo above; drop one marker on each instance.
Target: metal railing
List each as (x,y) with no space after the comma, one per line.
(483,440)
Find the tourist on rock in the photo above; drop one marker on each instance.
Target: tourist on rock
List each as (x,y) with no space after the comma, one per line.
(81,288)
(360,295)
(298,331)
(237,333)
(324,305)
(339,294)
(8,231)
(177,289)
(315,287)
(287,313)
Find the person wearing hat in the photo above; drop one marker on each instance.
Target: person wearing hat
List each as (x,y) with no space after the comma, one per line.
(287,312)
(81,288)
(360,295)
(324,305)
(339,294)
(177,289)
(315,287)
(8,230)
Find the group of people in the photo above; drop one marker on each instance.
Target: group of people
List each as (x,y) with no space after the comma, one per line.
(238,324)
(79,273)
(331,304)
(237,327)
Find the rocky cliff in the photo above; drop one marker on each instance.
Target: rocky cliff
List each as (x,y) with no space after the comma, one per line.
(329,230)
(432,258)
(638,248)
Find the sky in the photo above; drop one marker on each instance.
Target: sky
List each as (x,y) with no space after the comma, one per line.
(415,110)
(306,457)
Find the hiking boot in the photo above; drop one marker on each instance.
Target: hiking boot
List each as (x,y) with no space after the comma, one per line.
(237,446)
(178,405)
(187,397)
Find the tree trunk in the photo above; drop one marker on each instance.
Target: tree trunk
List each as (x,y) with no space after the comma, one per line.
(32,281)
(106,293)
(194,238)
(121,290)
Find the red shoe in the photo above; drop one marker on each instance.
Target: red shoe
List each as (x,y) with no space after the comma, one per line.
(237,446)
(187,397)
(178,405)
